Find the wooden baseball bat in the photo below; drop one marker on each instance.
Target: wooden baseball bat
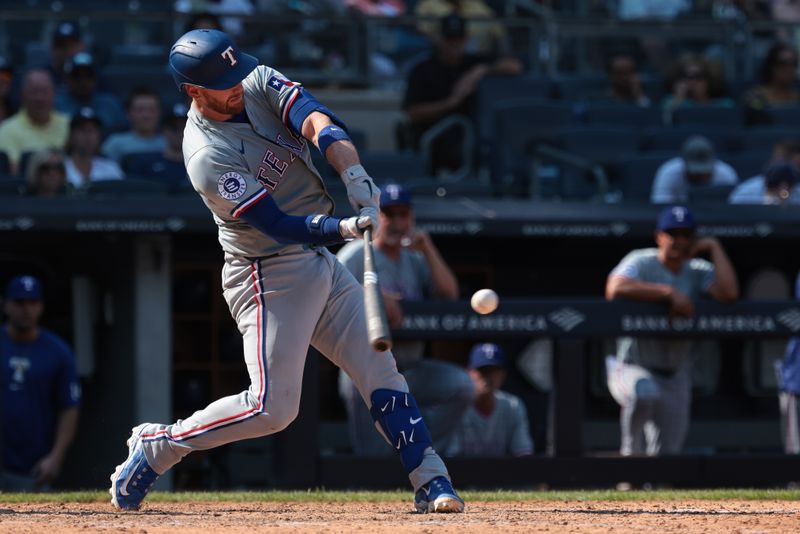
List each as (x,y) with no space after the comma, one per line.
(380,337)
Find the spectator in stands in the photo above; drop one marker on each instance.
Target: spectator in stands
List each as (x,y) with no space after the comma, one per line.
(37,125)
(694,83)
(788,372)
(7,107)
(144,115)
(203,20)
(753,189)
(232,13)
(497,422)
(166,167)
(411,269)
(377,8)
(444,85)
(778,80)
(484,34)
(651,378)
(778,184)
(697,166)
(625,86)
(65,43)
(46,175)
(81,91)
(84,163)
(41,392)
(651,9)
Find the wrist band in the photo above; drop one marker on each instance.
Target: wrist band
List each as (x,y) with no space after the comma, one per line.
(329,135)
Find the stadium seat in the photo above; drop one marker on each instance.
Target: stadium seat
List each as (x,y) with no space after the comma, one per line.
(708,116)
(714,194)
(581,87)
(128,186)
(746,164)
(521,125)
(12,186)
(5,164)
(763,140)
(672,138)
(784,116)
(637,177)
(497,90)
(128,160)
(601,144)
(623,115)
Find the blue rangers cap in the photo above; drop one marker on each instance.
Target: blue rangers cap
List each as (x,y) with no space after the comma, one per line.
(395,195)
(486,354)
(24,287)
(675,217)
(209,59)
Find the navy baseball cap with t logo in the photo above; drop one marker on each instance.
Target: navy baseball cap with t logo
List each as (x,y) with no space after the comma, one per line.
(395,195)
(486,354)
(675,217)
(24,287)
(210,59)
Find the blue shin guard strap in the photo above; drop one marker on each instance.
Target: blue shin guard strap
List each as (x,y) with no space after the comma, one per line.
(399,417)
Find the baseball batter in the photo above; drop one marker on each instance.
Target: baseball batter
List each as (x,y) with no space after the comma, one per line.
(246,148)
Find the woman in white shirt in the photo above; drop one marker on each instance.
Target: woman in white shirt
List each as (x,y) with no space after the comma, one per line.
(83,163)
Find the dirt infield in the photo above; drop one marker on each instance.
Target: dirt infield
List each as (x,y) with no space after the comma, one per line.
(689,516)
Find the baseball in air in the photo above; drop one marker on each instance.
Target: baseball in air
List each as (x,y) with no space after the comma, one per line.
(484,301)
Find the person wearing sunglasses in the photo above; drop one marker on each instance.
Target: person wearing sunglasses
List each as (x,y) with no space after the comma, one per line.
(650,378)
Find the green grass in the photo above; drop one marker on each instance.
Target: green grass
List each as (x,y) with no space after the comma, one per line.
(404,496)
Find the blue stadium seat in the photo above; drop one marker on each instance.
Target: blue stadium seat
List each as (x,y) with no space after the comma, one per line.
(672,138)
(710,194)
(12,186)
(5,165)
(763,140)
(582,87)
(520,126)
(784,116)
(497,90)
(602,113)
(637,177)
(601,144)
(708,116)
(746,164)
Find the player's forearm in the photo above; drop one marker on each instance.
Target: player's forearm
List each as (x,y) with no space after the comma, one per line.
(65,431)
(724,275)
(628,288)
(341,154)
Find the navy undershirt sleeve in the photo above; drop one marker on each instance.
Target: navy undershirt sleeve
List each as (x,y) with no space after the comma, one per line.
(266,216)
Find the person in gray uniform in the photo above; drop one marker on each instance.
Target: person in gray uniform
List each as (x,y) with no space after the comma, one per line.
(497,422)
(247,152)
(411,268)
(651,378)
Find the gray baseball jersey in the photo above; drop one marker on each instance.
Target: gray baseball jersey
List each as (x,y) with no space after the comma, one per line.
(283,298)
(694,279)
(235,164)
(504,432)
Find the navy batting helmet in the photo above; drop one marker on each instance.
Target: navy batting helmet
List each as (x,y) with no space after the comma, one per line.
(208,58)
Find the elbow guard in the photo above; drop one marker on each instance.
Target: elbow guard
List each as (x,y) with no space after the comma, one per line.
(303,105)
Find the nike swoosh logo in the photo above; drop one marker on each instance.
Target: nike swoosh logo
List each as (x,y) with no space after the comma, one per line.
(242,149)
(385,406)
(414,421)
(124,488)
(427,491)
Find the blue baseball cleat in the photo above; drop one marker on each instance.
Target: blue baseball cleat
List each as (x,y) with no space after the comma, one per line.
(438,496)
(134,477)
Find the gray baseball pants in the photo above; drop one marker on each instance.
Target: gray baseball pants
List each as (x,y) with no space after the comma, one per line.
(283,304)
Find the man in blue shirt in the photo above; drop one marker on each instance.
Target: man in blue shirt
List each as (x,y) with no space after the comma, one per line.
(41,393)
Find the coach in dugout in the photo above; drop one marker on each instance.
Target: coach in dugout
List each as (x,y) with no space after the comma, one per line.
(40,392)
(651,378)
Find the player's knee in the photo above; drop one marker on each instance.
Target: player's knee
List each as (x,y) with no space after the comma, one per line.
(281,417)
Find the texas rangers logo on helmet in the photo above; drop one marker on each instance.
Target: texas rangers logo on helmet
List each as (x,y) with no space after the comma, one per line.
(231,185)
(228,54)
